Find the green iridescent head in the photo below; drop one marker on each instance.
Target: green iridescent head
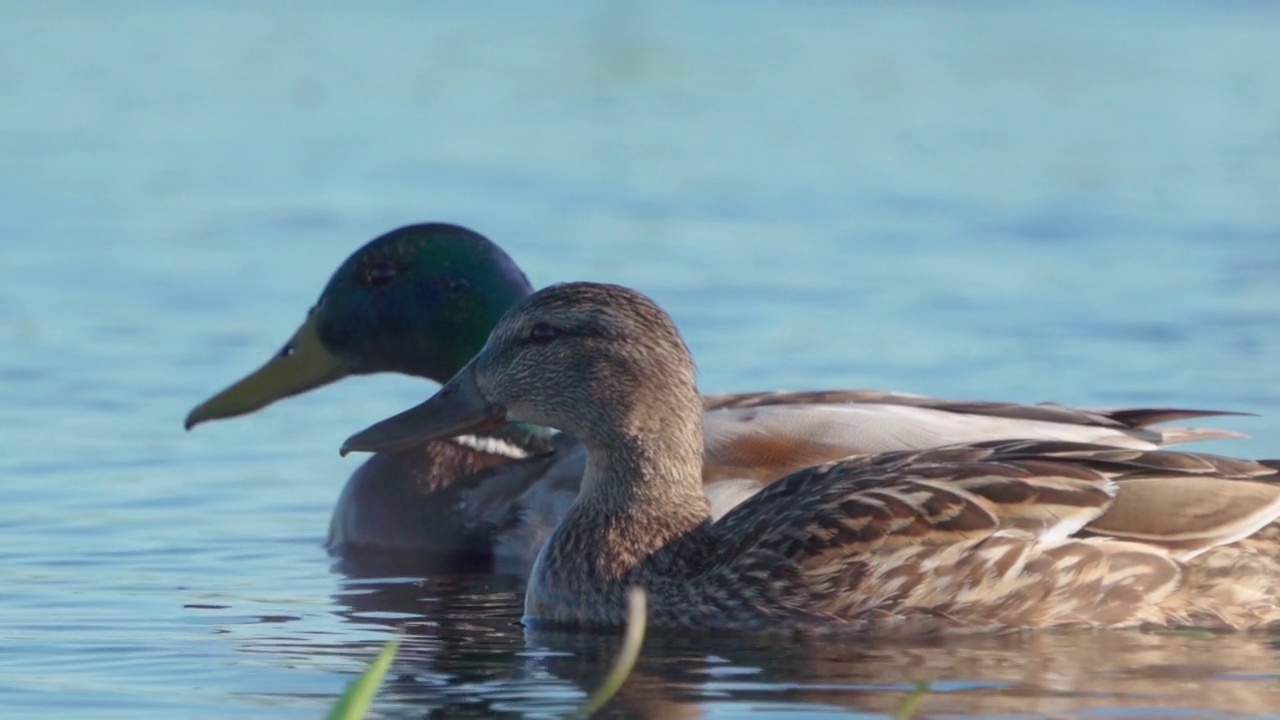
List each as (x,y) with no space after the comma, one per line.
(419,300)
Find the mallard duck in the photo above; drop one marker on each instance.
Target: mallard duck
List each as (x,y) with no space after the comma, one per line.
(421,300)
(980,536)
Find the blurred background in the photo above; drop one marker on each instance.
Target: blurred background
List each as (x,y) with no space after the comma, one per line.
(1069,202)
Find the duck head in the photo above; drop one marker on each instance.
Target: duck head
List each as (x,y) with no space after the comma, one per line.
(419,300)
(601,362)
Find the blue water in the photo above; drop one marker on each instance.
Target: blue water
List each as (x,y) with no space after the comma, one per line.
(1075,203)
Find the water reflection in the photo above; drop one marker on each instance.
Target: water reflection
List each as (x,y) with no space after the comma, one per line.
(1034,673)
(466,655)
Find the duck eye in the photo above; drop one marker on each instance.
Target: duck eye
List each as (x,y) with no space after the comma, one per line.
(542,333)
(380,273)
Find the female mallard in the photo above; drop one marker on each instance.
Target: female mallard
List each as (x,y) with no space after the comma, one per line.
(991,535)
(421,300)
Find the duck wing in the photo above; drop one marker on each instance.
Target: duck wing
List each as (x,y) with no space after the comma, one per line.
(763,436)
(984,535)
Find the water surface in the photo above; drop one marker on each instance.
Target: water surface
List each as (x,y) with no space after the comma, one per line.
(1074,203)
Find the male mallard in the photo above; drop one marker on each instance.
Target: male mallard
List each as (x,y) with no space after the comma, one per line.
(982,536)
(421,300)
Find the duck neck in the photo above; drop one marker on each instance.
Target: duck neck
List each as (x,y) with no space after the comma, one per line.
(642,488)
(640,518)
(637,474)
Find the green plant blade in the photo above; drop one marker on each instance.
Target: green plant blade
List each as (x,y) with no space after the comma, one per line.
(355,702)
(626,657)
(912,703)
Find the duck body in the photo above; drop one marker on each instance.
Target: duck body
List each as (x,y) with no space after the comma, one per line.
(978,536)
(422,299)
(449,498)
(495,499)
(961,538)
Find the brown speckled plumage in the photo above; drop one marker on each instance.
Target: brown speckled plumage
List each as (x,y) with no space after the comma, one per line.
(980,536)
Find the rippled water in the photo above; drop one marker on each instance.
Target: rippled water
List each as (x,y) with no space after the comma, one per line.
(1075,204)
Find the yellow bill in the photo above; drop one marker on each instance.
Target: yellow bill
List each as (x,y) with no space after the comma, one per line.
(303,364)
